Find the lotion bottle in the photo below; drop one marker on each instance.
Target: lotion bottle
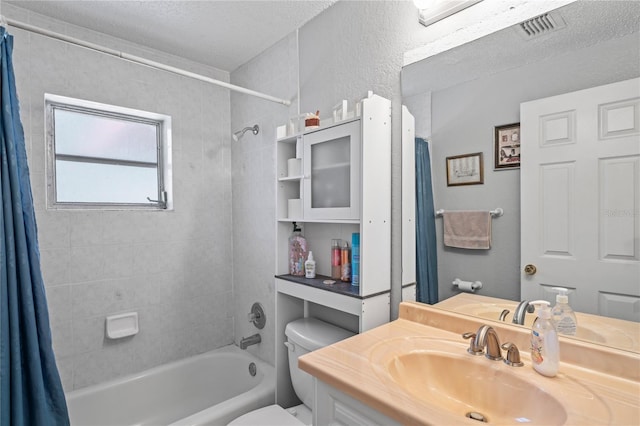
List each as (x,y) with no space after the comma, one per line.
(310,266)
(545,347)
(563,315)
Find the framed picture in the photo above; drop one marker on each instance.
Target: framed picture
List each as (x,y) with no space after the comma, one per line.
(506,146)
(467,169)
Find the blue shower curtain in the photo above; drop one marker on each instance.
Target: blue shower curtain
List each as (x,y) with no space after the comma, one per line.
(426,255)
(30,388)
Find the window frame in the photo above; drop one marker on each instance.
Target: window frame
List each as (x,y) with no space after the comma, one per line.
(164,197)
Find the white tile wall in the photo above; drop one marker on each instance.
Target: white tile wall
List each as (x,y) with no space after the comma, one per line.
(173,268)
(253,176)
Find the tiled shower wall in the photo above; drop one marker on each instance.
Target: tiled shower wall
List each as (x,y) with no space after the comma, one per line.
(275,72)
(173,267)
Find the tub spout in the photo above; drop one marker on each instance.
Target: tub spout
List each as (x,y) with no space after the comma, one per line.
(251,340)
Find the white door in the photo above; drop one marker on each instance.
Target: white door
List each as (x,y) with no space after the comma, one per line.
(580,198)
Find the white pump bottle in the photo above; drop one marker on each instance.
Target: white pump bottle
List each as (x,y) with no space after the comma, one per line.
(563,315)
(545,347)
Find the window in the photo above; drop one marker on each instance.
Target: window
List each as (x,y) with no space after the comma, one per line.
(103,156)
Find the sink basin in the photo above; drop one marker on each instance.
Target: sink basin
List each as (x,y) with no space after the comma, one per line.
(470,387)
(441,374)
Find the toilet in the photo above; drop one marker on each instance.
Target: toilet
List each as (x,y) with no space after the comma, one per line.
(303,336)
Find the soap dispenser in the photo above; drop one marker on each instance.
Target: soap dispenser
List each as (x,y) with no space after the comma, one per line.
(563,315)
(545,347)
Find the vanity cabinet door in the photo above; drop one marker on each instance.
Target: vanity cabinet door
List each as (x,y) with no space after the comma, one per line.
(333,407)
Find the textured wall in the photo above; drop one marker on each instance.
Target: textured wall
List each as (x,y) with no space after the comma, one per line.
(173,267)
(349,49)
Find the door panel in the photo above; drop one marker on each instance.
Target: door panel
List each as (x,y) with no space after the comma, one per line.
(580,198)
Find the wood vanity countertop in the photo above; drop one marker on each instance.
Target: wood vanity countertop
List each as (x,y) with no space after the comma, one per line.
(351,366)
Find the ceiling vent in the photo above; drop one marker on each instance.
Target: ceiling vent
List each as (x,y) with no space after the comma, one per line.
(540,25)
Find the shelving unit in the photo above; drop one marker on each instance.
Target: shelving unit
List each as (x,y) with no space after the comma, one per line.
(356,308)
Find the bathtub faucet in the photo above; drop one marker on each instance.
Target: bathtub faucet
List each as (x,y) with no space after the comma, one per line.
(251,340)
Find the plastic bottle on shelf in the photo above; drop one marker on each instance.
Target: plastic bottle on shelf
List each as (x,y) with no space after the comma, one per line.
(335,260)
(310,266)
(355,259)
(563,315)
(545,347)
(345,262)
(297,251)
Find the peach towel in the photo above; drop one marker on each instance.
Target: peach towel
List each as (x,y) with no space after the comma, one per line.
(467,229)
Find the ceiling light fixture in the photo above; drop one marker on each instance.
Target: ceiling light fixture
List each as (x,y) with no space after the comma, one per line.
(432,11)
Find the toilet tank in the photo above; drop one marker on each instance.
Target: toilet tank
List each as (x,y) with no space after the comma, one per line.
(303,336)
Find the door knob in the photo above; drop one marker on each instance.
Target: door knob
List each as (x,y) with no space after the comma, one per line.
(530,269)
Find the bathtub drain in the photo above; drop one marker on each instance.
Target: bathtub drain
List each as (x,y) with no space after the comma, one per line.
(253,369)
(473,415)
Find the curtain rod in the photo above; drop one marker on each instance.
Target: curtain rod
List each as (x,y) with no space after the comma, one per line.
(142,61)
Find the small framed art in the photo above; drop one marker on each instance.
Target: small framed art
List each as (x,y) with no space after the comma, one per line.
(507,147)
(467,169)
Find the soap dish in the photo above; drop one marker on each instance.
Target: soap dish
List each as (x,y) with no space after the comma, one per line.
(123,325)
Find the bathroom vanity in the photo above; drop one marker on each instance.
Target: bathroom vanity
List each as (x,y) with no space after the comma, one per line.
(416,370)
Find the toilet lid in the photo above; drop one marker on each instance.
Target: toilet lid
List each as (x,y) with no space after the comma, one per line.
(273,415)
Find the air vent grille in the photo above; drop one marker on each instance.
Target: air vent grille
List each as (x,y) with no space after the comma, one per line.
(540,25)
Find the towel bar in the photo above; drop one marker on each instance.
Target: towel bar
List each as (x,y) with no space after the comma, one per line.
(494,213)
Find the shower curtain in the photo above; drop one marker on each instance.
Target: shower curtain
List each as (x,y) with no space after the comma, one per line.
(30,389)
(426,255)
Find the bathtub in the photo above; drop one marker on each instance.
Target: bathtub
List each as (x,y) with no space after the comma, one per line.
(209,389)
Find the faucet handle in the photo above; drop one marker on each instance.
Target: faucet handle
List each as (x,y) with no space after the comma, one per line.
(257,316)
(473,348)
(503,314)
(513,355)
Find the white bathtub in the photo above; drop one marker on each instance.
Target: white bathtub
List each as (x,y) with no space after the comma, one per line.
(209,389)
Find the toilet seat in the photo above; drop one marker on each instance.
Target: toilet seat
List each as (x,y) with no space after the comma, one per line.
(272,415)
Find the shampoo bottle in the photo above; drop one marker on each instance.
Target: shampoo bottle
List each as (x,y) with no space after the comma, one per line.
(545,347)
(310,266)
(355,259)
(563,315)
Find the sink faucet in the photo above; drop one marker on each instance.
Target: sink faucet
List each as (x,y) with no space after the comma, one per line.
(251,340)
(486,337)
(521,310)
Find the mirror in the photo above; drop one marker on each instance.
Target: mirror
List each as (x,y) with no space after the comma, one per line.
(459,96)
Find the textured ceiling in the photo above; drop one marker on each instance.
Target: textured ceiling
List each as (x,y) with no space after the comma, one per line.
(222,34)
(587,23)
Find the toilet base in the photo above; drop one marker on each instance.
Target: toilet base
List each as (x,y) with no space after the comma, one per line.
(302,413)
(274,415)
